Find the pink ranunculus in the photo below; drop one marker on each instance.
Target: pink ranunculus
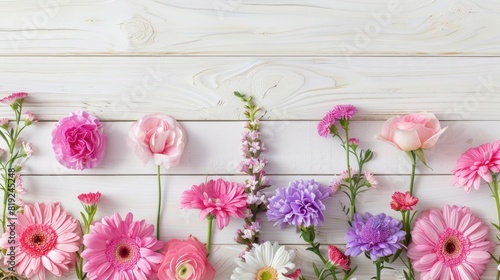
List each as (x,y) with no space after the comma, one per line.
(412,132)
(157,137)
(78,141)
(186,260)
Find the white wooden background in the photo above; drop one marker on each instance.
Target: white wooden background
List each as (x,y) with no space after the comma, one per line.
(123,59)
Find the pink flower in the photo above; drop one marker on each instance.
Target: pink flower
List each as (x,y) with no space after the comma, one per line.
(372,181)
(28,149)
(29,118)
(220,199)
(296,275)
(346,112)
(4,122)
(19,184)
(78,141)
(450,244)
(337,258)
(90,199)
(476,164)
(12,98)
(157,137)
(46,240)
(325,124)
(185,260)
(412,132)
(403,201)
(121,249)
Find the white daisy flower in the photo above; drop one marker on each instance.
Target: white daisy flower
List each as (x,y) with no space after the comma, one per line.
(265,261)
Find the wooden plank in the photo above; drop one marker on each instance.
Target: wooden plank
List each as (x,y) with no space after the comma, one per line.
(277,27)
(138,194)
(308,153)
(201,88)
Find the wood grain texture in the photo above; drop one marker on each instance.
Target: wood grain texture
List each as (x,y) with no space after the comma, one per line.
(241,27)
(201,88)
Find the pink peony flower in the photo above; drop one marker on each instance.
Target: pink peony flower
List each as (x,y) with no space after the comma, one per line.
(476,164)
(46,240)
(157,137)
(12,98)
(219,198)
(337,258)
(121,249)
(90,199)
(185,260)
(403,201)
(450,244)
(412,132)
(78,141)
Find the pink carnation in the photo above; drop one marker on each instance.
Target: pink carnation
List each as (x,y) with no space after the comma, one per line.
(476,164)
(185,260)
(157,137)
(403,201)
(337,258)
(78,141)
(219,198)
(90,199)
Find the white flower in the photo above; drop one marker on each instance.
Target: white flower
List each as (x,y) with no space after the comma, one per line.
(264,261)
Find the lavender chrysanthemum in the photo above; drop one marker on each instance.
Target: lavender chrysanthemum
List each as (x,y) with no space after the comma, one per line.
(301,204)
(379,236)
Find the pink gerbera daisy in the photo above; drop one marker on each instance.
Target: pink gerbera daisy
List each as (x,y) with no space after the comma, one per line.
(476,164)
(219,198)
(121,249)
(46,240)
(450,244)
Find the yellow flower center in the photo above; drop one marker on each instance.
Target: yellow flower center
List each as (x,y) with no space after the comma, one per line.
(184,271)
(267,273)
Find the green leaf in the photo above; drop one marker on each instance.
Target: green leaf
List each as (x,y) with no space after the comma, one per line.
(368,155)
(420,155)
(316,270)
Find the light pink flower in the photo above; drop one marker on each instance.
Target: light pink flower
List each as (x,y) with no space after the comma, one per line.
(19,184)
(412,132)
(476,164)
(28,148)
(78,141)
(185,260)
(12,98)
(90,199)
(4,122)
(46,240)
(403,201)
(29,118)
(337,258)
(219,198)
(450,244)
(157,137)
(371,179)
(121,249)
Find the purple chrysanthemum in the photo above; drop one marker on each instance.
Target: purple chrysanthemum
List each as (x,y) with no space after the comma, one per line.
(301,204)
(379,235)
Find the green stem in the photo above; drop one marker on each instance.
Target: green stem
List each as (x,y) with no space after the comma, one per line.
(494,189)
(348,161)
(378,264)
(209,233)
(159,205)
(413,166)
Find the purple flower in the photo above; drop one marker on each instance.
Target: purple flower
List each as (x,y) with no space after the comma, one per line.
(301,204)
(379,236)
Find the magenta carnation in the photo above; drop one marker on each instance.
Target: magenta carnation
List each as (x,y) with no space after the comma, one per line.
(450,244)
(78,141)
(121,249)
(218,198)
(477,164)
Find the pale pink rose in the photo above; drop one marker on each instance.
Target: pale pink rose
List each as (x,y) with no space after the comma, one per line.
(157,137)
(78,141)
(186,260)
(412,132)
